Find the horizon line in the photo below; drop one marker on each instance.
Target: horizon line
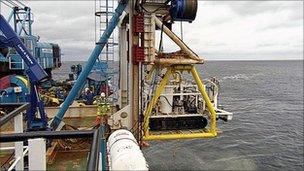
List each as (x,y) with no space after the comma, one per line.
(211,60)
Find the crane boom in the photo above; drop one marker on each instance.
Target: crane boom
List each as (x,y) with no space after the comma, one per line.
(10,39)
(35,72)
(90,63)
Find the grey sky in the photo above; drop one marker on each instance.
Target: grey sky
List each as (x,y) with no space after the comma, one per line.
(221,31)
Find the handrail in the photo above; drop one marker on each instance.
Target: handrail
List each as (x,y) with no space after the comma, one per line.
(45,134)
(14,113)
(93,160)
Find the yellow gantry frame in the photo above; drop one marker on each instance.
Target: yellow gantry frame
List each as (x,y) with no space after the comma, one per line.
(212,132)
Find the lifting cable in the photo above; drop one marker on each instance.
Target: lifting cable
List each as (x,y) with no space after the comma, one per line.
(22,4)
(160,48)
(13,3)
(155,74)
(5,3)
(182,30)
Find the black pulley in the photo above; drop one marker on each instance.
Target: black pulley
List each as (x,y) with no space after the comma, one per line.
(183,10)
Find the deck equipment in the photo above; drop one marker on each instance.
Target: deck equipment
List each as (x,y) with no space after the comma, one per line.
(34,71)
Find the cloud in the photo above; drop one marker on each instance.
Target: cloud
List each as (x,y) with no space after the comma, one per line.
(71,24)
(222,29)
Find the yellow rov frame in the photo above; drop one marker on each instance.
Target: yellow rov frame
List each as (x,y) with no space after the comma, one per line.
(210,133)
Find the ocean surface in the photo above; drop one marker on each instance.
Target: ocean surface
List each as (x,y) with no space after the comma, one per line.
(266,132)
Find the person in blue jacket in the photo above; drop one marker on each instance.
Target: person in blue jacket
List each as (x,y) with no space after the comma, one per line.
(88,97)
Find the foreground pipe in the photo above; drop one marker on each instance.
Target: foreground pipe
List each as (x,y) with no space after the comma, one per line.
(91,61)
(177,40)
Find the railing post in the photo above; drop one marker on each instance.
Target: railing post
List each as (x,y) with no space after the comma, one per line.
(18,128)
(37,154)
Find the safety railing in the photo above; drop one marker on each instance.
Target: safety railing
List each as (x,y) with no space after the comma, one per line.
(36,148)
(17,115)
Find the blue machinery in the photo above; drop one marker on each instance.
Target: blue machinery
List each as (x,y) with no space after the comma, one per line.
(12,65)
(93,57)
(21,54)
(34,71)
(183,10)
(180,11)
(16,93)
(37,74)
(47,54)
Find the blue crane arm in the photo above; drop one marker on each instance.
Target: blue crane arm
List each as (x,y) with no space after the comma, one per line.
(34,71)
(90,63)
(10,39)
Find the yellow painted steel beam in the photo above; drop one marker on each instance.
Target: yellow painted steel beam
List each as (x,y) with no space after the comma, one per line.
(177,40)
(170,70)
(210,107)
(179,136)
(153,102)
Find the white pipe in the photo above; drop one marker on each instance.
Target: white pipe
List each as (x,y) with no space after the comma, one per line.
(17,160)
(18,128)
(9,148)
(124,152)
(14,164)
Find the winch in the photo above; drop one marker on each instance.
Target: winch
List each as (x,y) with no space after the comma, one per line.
(183,10)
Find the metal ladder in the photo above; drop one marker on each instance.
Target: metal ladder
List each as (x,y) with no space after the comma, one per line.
(149,38)
(104,10)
